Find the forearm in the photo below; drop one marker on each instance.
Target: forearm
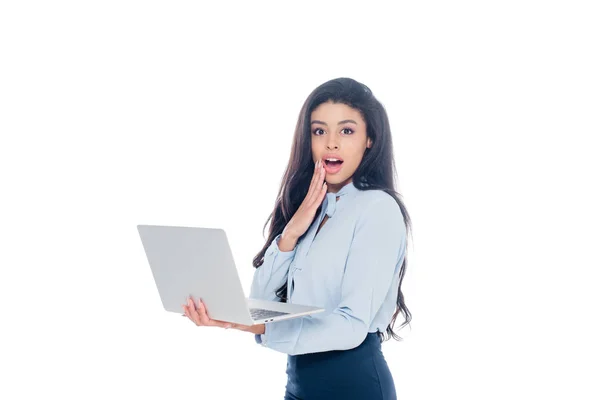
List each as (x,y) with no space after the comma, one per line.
(266,281)
(257,329)
(272,274)
(287,242)
(313,334)
(254,329)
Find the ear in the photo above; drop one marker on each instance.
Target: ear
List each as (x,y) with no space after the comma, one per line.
(369,143)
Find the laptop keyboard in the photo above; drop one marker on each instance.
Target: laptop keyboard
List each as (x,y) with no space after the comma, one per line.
(259,313)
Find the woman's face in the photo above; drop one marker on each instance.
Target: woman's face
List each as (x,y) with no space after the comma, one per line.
(338,131)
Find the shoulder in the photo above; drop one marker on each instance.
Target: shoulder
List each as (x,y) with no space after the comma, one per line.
(373,199)
(379,218)
(378,204)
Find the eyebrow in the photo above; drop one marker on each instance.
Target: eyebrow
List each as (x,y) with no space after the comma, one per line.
(316,121)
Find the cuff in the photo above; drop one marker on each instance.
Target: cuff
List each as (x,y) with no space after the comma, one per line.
(274,248)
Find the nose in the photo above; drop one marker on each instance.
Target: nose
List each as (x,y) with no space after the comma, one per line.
(332,142)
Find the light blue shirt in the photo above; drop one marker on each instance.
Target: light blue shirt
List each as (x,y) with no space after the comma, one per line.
(351,269)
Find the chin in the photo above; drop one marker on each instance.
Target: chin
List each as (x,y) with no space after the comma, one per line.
(336,180)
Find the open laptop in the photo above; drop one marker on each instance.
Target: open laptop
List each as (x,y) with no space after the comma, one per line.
(197,262)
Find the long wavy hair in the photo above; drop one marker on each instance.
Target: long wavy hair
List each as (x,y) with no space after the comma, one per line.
(376,171)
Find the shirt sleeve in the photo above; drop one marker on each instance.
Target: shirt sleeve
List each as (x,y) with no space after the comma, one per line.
(375,256)
(272,274)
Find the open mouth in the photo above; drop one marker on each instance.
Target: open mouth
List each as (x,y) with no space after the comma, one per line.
(333,163)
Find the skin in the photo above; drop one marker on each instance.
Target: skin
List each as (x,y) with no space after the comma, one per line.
(336,129)
(198,314)
(339,129)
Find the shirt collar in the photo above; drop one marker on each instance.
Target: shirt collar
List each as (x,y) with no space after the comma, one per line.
(349,188)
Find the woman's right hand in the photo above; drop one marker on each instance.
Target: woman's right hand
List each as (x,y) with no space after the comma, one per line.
(199,315)
(304,216)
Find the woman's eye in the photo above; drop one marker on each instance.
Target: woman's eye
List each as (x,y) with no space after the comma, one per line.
(345,131)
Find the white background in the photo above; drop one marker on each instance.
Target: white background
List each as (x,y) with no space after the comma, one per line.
(116,113)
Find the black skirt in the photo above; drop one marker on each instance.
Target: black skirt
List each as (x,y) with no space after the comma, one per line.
(359,373)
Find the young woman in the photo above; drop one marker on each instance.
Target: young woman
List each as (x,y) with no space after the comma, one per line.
(337,240)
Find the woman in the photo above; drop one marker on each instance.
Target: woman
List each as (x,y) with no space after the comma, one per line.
(337,240)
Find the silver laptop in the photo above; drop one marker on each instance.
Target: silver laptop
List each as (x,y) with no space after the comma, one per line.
(197,262)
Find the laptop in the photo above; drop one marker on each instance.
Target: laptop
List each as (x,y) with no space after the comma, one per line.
(198,262)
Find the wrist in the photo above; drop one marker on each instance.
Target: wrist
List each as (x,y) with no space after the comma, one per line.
(289,234)
(258,329)
(287,242)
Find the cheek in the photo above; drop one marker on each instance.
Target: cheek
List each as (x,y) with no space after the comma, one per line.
(314,156)
(357,156)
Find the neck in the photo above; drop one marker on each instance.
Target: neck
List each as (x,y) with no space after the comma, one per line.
(334,188)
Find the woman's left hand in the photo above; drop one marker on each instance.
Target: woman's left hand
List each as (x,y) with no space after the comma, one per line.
(199,316)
